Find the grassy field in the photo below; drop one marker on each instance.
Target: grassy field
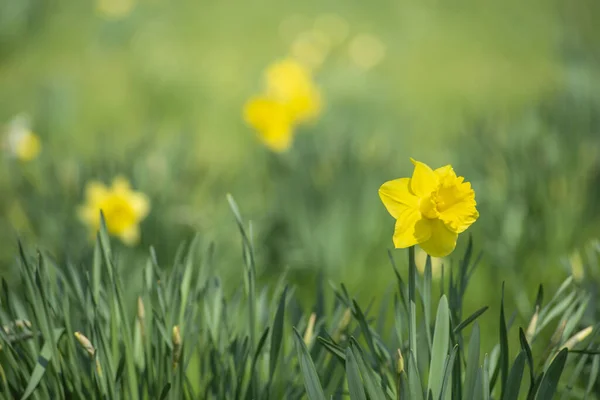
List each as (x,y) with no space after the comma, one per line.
(154,91)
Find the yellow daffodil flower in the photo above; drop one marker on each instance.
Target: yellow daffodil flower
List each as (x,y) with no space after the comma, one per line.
(272,121)
(291,97)
(123,209)
(290,83)
(22,142)
(430,209)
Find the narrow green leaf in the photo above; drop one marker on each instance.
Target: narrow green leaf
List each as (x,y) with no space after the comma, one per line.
(314,390)
(277,334)
(470,319)
(525,347)
(370,379)
(487,392)
(556,310)
(97,271)
(478,387)
(333,348)
(439,352)
(415,387)
(364,326)
(472,364)
(593,375)
(261,343)
(446,394)
(427,300)
(513,384)
(551,377)
(42,363)
(412,310)
(502,367)
(355,384)
(165,391)
(187,280)
(539,299)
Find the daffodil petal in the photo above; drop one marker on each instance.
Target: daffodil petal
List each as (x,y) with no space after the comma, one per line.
(95,192)
(140,204)
(411,228)
(424,180)
(89,215)
(278,137)
(131,236)
(445,171)
(121,185)
(457,204)
(272,122)
(442,240)
(460,216)
(397,196)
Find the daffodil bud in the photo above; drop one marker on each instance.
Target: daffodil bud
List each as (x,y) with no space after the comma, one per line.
(86,344)
(578,337)
(141,311)
(308,334)
(400,364)
(176,342)
(533,324)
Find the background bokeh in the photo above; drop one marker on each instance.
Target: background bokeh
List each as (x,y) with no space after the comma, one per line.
(508,92)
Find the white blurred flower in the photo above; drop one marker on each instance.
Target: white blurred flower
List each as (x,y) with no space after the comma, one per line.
(20,141)
(366,51)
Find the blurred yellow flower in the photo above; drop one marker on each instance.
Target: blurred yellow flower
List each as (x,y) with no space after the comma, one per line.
(123,209)
(21,141)
(291,97)
(430,209)
(272,120)
(291,84)
(114,9)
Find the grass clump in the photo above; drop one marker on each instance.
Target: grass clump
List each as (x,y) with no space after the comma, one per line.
(85,333)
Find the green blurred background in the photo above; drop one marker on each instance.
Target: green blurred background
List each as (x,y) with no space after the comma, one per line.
(508,92)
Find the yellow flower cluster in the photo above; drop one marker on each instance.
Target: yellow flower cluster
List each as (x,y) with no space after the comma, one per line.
(431,208)
(291,97)
(123,209)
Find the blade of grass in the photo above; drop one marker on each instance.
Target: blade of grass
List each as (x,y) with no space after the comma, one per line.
(441,340)
(446,394)
(525,347)
(472,364)
(370,379)
(427,300)
(513,384)
(551,377)
(314,390)
(355,384)
(470,319)
(42,364)
(277,334)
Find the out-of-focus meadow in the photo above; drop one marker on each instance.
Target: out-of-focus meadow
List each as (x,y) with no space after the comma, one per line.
(508,92)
